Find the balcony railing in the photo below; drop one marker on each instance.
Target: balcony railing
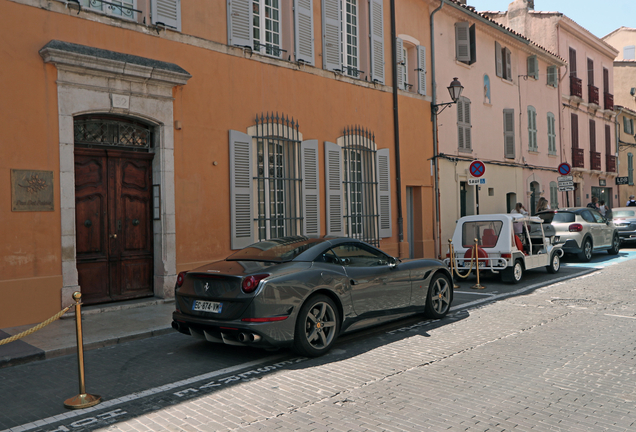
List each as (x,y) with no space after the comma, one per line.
(595,160)
(576,87)
(609,101)
(592,94)
(578,158)
(611,163)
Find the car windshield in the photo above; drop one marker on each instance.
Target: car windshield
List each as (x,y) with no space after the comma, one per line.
(622,214)
(563,217)
(486,233)
(275,250)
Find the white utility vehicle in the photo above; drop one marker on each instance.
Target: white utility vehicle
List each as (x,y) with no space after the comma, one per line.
(508,244)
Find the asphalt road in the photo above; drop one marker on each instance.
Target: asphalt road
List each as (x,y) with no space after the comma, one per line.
(138,377)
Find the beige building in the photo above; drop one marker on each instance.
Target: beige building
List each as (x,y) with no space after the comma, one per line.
(624,41)
(626,143)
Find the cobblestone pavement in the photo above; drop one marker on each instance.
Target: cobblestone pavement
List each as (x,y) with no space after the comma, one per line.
(561,358)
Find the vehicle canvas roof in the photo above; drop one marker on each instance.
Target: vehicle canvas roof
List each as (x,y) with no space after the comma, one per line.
(501,216)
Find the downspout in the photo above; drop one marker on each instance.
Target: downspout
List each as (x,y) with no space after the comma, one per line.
(617,136)
(438,228)
(396,129)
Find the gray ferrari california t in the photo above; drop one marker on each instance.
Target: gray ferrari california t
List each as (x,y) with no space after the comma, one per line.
(304,292)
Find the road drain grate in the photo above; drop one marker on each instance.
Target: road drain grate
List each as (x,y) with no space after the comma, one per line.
(573,302)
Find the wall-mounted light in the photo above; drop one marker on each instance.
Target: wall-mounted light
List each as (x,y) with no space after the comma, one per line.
(455,90)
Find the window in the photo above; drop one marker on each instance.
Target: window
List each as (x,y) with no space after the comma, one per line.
(166,13)
(273,182)
(486,89)
(628,125)
(532,129)
(533,67)
(486,232)
(592,136)
(120,8)
(353,255)
(554,195)
(629,53)
(257,24)
(421,70)
(464,139)
(408,55)
(358,188)
(574,123)
(344,30)
(572,53)
(553,76)
(503,62)
(509,133)
(402,64)
(551,134)
(590,72)
(630,169)
(465,47)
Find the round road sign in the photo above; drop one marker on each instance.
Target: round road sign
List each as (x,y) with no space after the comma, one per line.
(477,169)
(564,168)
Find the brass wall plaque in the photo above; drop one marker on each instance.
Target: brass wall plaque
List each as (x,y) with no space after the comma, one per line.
(31,190)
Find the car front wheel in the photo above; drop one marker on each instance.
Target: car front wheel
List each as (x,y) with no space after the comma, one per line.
(586,251)
(616,245)
(317,326)
(555,263)
(439,297)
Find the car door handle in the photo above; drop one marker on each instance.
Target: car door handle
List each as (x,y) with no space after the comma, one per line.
(353,282)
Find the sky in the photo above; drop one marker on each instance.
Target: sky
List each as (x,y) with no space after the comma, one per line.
(600,17)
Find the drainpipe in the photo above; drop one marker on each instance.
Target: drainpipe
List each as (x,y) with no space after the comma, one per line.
(617,136)
(396,128)
(438,228)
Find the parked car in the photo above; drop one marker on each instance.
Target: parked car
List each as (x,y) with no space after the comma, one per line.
(583,231)
(305,292)
(502,251)
(624,219)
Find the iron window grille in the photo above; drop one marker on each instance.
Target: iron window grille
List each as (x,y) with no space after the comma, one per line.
(113,8)
(95,131)
(360,185)
(278,178)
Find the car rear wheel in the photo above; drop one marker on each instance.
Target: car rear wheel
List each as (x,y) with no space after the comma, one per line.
(317,326)
(439,297)
(616,245)
(555,263)
(513,274)
(586,251)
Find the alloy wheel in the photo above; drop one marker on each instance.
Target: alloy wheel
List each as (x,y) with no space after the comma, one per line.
(440,295)
(320,325)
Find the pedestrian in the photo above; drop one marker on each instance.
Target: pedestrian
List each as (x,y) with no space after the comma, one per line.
(603,209)
(542,204)
(594,203)
(631,202)
(520,209)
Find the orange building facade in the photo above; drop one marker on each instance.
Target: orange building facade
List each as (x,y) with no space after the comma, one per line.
(145,140)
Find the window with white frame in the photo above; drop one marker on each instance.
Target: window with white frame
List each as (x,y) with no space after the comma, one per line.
(266,26)
(464,127)
(349,38)
(120,8)
(532,129)
(409,54)
(273,182)
(551,134)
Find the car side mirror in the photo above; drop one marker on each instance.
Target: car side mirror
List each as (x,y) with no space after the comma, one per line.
(393,262)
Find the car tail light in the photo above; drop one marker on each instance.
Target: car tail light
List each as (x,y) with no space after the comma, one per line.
(251,282)
(448,255)
(506,255)
(577,227)
(270,319)
(180,279)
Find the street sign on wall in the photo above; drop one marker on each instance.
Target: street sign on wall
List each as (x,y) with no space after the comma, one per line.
(476,181)
(622,180)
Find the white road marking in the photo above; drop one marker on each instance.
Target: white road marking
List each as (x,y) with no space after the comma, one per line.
(113,402)
(621,316)
(474,293)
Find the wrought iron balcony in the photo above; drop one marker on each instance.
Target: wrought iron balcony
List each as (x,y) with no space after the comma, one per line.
(592,94)
(576,87)
(610,162)
(578,158)
(609,101)
(595,160)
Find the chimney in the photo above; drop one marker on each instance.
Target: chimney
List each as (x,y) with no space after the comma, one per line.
(530,4)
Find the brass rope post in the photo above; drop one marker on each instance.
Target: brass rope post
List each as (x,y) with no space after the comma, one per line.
(453,269)
(82,400)
(478,285)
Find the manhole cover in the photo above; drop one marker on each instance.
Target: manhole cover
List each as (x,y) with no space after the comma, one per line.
(573,302)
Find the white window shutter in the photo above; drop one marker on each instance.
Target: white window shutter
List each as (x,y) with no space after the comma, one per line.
(421,69)
(460,124)
(509,133)
(166,12)
(467,126)
(331,59)
(399,48)
(241,190)
(552,76)
(239,23)
(508,64)
(384,193)
(311,189)
(304,31)
(498,60)
(376,25)
(532,67)
(462,41)
(333,180)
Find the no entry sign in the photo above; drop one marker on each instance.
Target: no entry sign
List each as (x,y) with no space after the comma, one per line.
(564,168)
(477,169)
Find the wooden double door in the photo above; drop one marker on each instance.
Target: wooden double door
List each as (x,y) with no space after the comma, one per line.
(113,217)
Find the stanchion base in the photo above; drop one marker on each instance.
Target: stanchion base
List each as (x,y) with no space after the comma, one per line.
(82,401)
(477,286)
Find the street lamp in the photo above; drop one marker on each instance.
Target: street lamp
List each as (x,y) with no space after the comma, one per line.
(455,90)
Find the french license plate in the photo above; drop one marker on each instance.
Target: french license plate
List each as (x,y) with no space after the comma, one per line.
(207,306)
